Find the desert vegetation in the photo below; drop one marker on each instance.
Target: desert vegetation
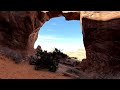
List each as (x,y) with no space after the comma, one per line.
(47,60)
(22,70)
(43,60)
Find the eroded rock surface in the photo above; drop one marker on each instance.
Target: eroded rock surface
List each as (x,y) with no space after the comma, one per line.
(19,30)
(102,44)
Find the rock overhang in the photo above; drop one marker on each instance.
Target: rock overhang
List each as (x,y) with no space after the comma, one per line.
(100,15)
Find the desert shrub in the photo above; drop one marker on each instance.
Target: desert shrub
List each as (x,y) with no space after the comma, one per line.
(33,60)
(61,54)
(69,57)
(47,60)
(73,57)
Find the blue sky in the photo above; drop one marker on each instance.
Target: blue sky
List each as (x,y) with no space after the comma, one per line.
(60,33)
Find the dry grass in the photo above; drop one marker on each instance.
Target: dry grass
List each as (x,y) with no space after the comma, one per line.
(10,70)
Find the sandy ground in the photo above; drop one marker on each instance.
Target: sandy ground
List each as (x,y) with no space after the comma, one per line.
(10,70)
(80,54)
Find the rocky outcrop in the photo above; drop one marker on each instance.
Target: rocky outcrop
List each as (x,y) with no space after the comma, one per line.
(19,30)
(102,41)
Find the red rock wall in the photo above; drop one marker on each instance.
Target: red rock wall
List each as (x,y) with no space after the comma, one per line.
(102,44)
(19,30)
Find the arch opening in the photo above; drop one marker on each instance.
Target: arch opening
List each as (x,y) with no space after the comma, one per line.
(62,34)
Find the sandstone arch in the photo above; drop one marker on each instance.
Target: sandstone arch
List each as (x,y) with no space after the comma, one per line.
(19,30)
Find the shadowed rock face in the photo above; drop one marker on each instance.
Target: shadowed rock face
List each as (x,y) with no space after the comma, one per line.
(19,30)
(102,44)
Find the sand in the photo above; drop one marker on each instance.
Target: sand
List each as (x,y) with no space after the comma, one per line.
(10,70)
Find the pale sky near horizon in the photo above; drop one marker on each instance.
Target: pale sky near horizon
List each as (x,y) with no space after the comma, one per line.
(60,33)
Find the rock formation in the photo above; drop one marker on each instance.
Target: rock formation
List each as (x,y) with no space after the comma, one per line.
(19,31)
(102,42)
